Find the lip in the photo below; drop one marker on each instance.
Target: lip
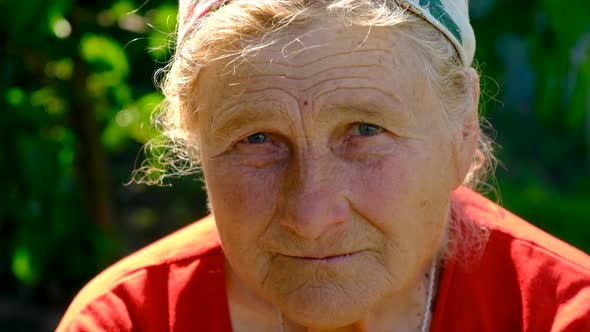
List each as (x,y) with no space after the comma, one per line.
(323,257)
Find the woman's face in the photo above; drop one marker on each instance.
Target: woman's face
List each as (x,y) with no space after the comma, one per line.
(329,164)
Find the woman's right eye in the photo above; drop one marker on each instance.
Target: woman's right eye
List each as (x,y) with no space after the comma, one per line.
(257,138)
(260,149)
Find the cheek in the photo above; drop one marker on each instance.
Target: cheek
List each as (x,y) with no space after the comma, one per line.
(383,189)
(409,184)
(404,199)
(244,195)
(243,202)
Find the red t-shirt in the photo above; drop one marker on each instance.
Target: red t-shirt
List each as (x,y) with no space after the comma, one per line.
(524,280)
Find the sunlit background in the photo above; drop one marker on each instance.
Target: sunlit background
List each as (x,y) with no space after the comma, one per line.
(76,97)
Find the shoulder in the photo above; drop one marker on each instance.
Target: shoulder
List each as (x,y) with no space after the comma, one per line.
(161,272)
(522,278)
(507,228)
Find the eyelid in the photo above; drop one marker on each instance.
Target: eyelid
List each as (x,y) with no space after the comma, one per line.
(269,139)
(356,125)
(369,124)
(273,139)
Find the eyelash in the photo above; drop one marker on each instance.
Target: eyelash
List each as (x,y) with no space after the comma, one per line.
(261,137)
(376,129)
(254,137)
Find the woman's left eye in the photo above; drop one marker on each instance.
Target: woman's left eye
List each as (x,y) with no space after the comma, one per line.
(257,138)
(367,129)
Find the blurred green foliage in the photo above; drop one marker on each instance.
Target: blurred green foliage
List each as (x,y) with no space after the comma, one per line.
(77,92)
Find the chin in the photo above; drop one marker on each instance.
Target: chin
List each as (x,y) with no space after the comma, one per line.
(326,308)
(332,300)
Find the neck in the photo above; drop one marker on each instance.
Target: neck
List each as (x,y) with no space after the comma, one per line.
(408,312)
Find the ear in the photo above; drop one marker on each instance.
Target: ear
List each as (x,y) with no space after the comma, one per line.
(469,125)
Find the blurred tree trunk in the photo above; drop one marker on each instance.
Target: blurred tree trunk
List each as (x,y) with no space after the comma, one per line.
(92,169)
(588,130)
(91,165)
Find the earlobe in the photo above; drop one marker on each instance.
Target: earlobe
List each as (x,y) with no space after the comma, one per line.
(470,131)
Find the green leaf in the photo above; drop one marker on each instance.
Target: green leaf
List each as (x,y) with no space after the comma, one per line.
(15,97)
(133,122)
(47,99)
(61,69)
(163,23)
(106,56)
(23,267)
(578,105)
(143,131)
(121,9)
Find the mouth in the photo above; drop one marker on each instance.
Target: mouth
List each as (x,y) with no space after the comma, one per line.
(324,258)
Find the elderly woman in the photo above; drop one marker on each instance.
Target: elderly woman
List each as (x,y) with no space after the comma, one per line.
(336,139)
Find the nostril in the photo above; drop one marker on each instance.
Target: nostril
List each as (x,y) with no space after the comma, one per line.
(312,215)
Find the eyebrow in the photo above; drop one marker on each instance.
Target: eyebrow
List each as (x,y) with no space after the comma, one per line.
(360,107)
(375,110)
(235,117)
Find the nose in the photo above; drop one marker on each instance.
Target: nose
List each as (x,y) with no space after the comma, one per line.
(314,200)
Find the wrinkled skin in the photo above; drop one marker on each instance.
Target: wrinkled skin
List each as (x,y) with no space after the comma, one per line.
(329,172)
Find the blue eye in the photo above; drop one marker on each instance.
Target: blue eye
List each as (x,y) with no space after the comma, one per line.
(366,129)
(257,138)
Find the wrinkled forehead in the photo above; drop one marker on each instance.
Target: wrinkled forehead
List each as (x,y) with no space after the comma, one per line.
(320,51)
